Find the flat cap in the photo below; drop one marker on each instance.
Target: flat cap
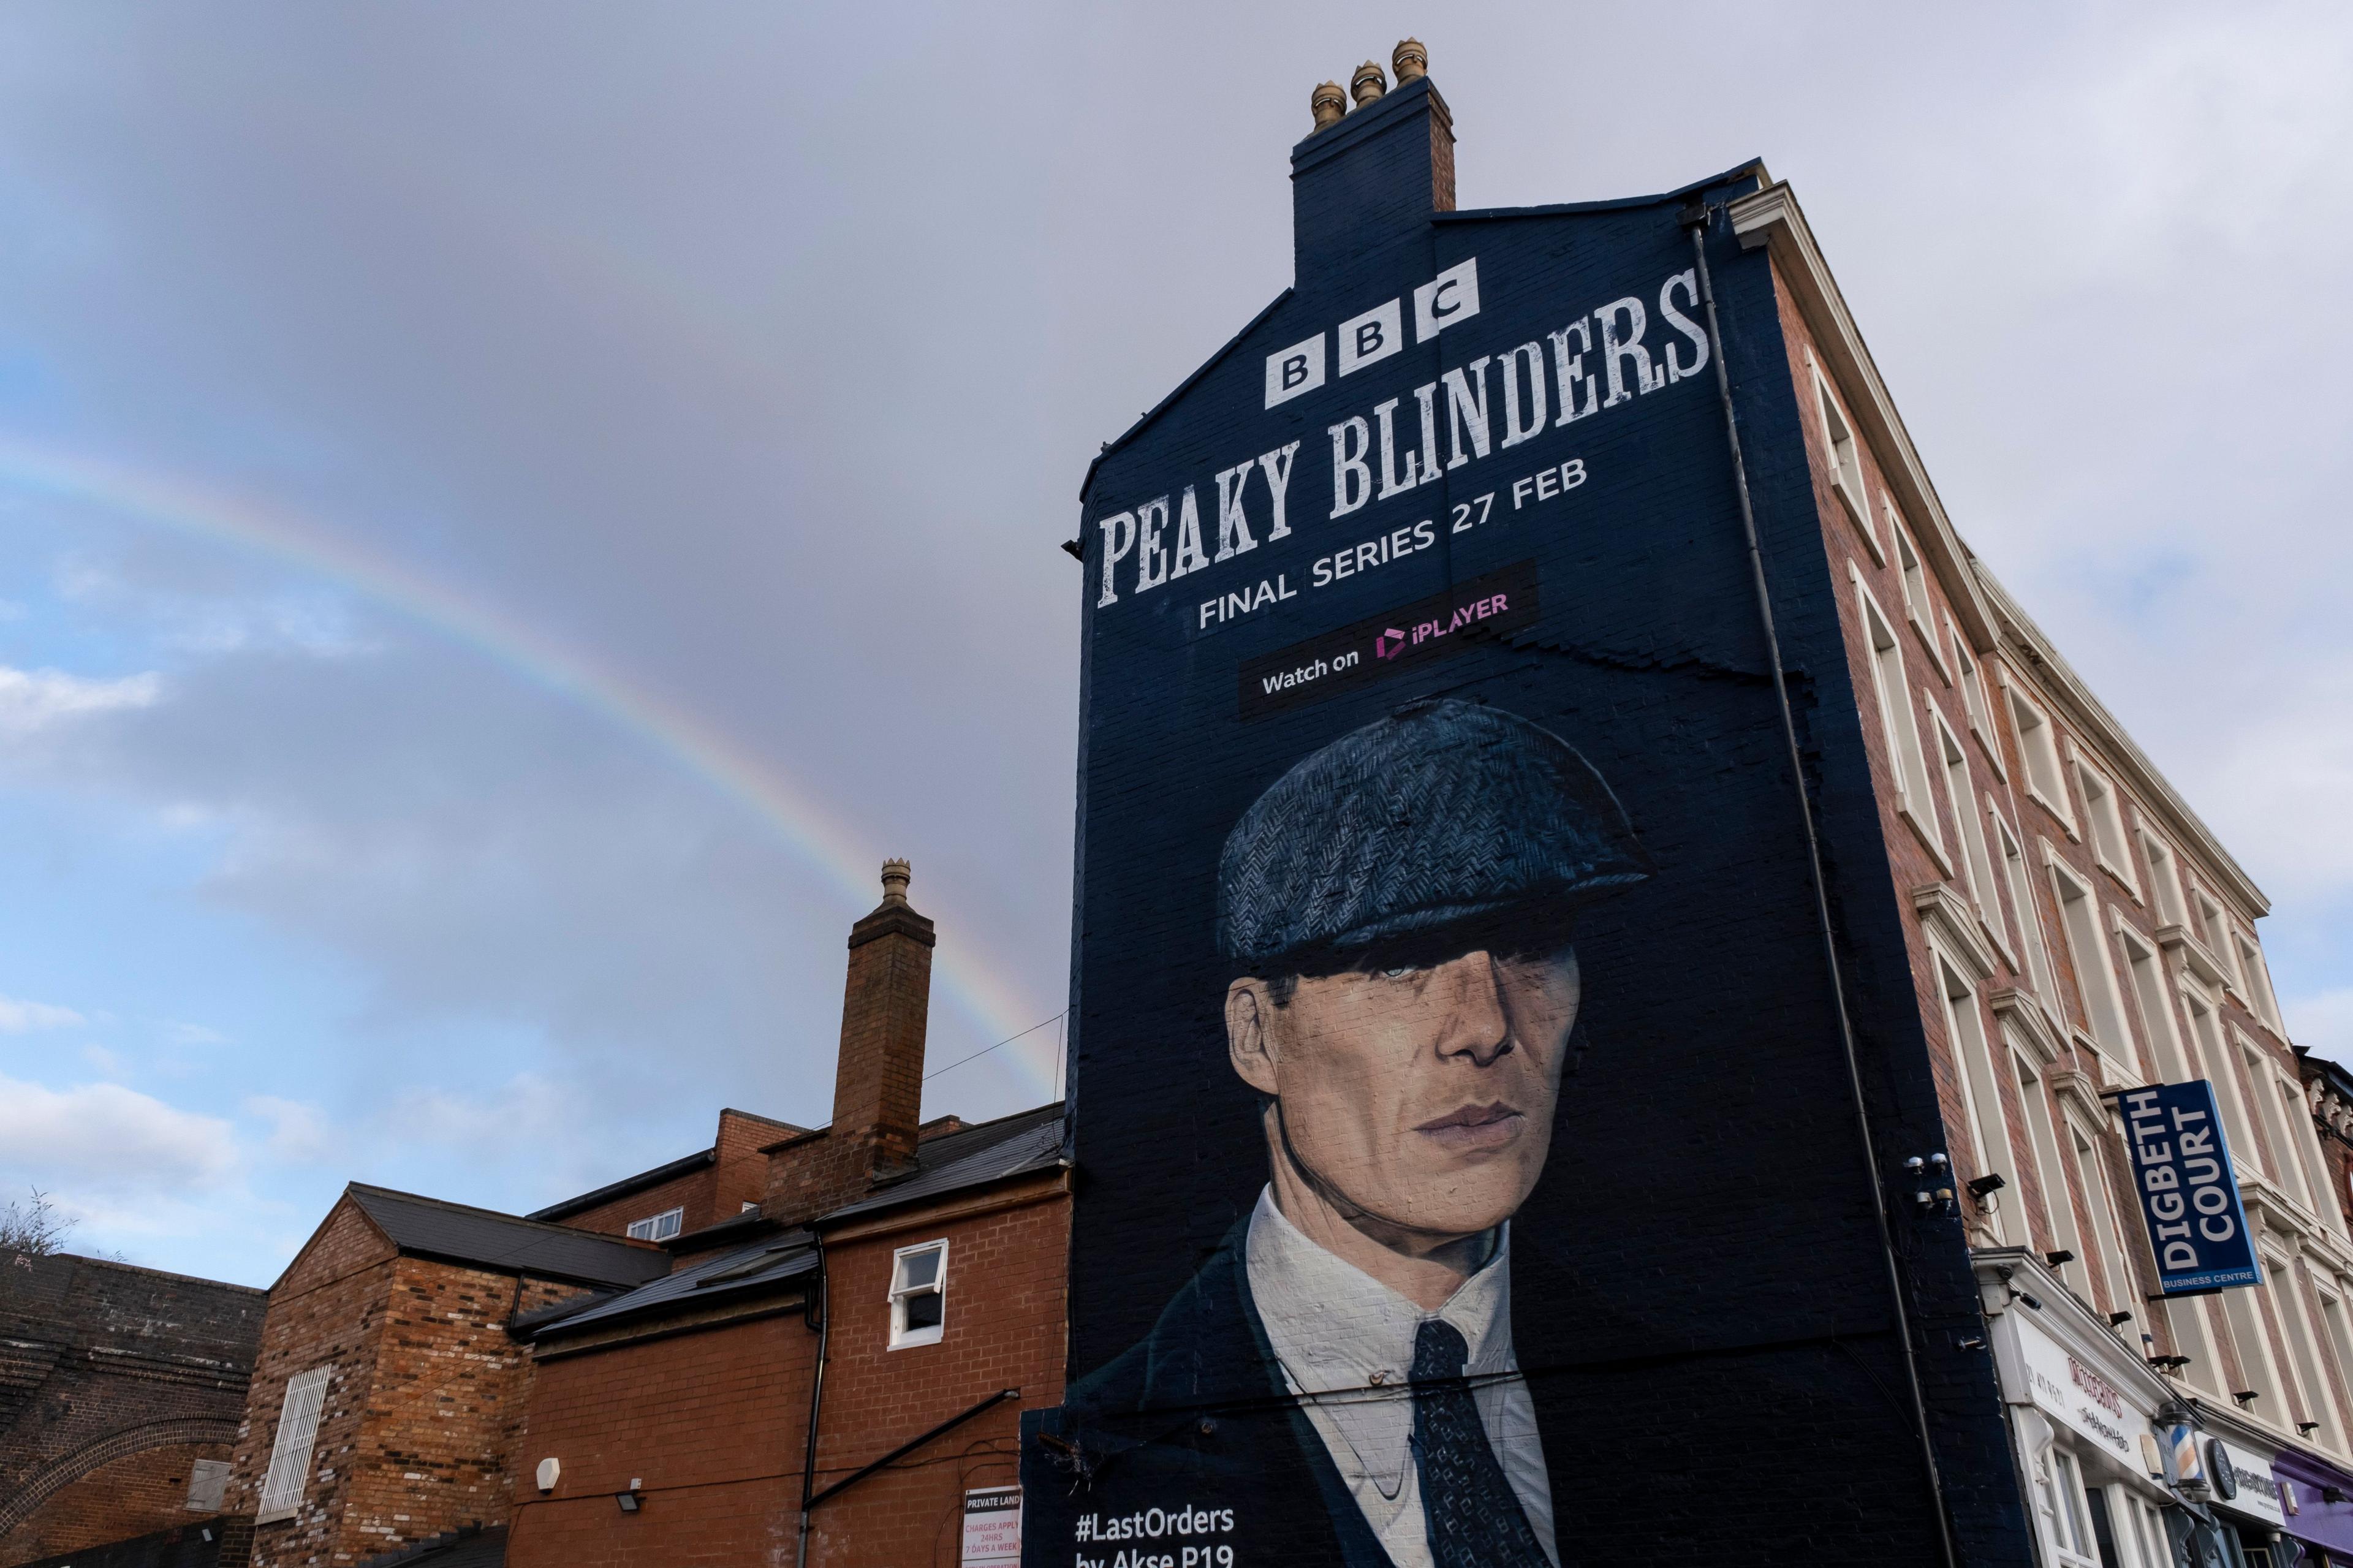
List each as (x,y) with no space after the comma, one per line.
(1443,812)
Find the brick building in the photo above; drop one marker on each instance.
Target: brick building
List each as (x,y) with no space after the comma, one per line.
(448,1384)
(896,1301)
(685,1196)
(120,1391)
(2075,933)
(387,1392)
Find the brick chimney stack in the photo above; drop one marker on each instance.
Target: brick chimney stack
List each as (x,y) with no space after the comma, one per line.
(1370,177)
(878,1087)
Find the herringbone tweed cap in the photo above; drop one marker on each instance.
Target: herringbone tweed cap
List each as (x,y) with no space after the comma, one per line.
(1443,811)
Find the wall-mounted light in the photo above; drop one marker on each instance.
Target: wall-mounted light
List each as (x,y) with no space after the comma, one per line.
(1992,1182)
(550,1470)
(2061,1256)
(2118,1320)
(2307,1428)
(2247,1395)
(629,1500)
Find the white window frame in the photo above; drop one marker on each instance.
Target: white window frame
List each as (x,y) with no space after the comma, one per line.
(2164,876)
(2019,878)
(1914,801)
(2104,809)
(2058,1191)
(2041,771)
(2212,928)
(2145,987)
(1911,570)
(299,1412)
(2340,1330)
(2303,1350)
(2257,973)
(2095,972)
(2285,1113)
(2062,1513)
(902,1336)
(1976,862)
(1965,1037)
(2194,1336)
(2100,1202)
(1843,454)
(2214,1055)
(659,1227)
(1973,698)
(2248,1321)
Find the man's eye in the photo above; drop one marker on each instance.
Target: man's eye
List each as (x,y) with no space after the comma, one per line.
(1397,971)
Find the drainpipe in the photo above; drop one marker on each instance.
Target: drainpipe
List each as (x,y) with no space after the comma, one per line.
(1697,218)
(817,1399)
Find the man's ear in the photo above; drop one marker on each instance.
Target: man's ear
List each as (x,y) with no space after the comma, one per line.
(1247,1045)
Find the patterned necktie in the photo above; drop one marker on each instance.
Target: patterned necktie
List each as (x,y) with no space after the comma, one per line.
(1475,1517)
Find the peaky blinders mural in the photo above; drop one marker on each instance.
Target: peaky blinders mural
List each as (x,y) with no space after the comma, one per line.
(1468,1167)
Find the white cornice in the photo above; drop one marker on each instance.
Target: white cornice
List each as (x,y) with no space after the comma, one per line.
(1772,217)
(2022,1009)
(1946,919)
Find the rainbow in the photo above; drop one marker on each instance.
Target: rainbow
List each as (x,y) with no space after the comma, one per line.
(840,856)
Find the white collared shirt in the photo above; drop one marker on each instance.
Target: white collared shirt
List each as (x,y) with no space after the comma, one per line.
(1342,1334)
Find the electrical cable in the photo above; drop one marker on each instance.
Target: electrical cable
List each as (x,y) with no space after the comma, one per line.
(1005,1041)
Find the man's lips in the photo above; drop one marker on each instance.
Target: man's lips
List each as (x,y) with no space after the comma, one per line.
(1472,1128)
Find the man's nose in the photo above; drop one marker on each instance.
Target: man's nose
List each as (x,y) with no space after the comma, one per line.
(1477,1025)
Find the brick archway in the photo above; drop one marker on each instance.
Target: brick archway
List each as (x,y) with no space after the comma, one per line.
(63,1472)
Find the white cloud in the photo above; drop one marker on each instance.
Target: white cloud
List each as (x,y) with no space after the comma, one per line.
(23,1018)
(2322,1022)
(299,1133)
(33,700)
(101,1139)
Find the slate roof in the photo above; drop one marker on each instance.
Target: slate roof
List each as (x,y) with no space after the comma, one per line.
(686,1165)
(1029,1140)
(968,1157)
(743,1270)
(457,1234)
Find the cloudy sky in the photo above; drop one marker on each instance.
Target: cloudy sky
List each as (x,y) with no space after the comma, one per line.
(509,512)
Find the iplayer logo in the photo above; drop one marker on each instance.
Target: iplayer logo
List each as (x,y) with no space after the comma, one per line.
(1390,644)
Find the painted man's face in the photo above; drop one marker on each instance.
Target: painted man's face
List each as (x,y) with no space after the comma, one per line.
(1421,1096)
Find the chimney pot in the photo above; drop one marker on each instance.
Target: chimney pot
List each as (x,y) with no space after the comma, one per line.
(896,874)
(1328,104)
(1410,61)
(1368,83)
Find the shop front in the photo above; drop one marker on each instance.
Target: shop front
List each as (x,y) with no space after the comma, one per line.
(2317,1505)
(2082,1409)
(2244,1497)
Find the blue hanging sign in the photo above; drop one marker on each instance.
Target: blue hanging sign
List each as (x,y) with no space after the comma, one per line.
(2189,1198)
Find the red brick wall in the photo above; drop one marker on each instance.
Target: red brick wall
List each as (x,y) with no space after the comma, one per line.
(110,1368)
(1997,767)
(1004,1327)
(327,1310)
(712,1422)
(134,1495)
(695,1192)
(445,1408)
(421,1416)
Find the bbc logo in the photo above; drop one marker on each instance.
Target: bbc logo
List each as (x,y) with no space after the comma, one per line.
(1448,298)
